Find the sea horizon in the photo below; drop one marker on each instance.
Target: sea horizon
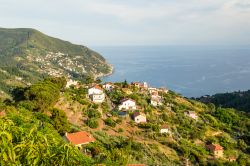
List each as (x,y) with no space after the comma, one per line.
(192,71)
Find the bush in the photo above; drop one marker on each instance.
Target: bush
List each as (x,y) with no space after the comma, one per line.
(110,122)
(92,113)
(95,106)
(119,121)
(92,123)
(151,126)
(120,130)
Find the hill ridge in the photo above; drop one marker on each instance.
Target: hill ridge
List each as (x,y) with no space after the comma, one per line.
(30,55)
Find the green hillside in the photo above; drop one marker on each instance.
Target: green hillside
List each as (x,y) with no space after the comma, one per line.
(28,55)
(44,111)
(239,100)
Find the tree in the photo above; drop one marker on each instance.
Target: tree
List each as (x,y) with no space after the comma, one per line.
(60,121)
(125,84)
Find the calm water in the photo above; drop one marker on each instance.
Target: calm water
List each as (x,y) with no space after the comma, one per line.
(191,71)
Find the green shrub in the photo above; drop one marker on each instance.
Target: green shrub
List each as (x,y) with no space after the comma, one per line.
(92,123)
(120,130)
(92,113)
(110,122)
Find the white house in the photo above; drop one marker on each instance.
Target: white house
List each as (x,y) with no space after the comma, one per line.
(155,95)
(144,85)
(127,104)
(136,84)
(165,129)
(140,84)
(155,101)
(152,90)
(192,114)
(139,117)
(97,98)
(95,90)
(96,94)
(108,86)
(70,83)
(164,90)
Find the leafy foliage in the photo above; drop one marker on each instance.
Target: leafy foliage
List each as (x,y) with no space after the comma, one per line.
(239,100)
(25,140)
(60,121)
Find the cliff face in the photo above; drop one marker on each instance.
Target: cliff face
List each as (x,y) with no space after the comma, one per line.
(28,55)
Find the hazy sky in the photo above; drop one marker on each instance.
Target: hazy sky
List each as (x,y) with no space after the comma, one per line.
(129,22)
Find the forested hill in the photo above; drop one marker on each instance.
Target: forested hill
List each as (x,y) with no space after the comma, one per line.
(239,100)
(28,55)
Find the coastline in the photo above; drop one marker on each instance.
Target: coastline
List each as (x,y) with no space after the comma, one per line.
(101,75)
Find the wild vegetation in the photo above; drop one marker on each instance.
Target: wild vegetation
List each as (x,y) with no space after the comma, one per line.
(34,122)
(239,100)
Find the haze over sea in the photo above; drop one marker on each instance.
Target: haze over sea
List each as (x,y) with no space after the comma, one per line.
(190,70)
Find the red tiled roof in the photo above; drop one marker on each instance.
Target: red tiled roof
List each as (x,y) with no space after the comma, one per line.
(2,113)
(81,137)
(135,114)
(165,126)
(214,147)
(97,87)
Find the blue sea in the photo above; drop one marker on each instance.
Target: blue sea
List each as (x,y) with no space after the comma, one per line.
(190,70)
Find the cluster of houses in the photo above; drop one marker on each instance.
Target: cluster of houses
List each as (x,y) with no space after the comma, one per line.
(155,99)
(97,95)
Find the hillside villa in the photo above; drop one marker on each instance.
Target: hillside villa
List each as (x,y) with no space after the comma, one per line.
(139,85)
(127,104)
(71,83)
(109,86)
(95,90)
(216,150)
(164,90)
(79,138)
(152,90)
(154,94)
(165,129)
(155,101)
(192,114)
(97,98)
(96,94)
(139,117)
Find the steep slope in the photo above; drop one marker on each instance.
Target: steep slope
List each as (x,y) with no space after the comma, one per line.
(28,55)
(48,108)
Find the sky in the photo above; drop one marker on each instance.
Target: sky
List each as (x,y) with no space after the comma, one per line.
(133,22)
